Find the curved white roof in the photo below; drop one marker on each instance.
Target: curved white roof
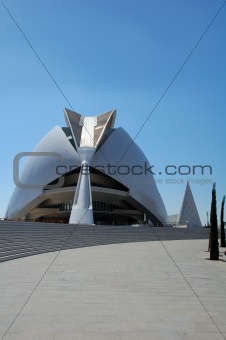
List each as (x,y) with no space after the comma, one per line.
(119,149)
(115,147)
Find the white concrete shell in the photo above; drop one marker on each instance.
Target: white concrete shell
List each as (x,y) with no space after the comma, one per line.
(119,149)
(131,186)
(41,170)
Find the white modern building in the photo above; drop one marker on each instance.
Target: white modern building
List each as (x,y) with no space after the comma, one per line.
(86,173)
(188,213)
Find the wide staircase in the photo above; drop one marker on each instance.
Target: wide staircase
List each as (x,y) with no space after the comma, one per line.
(20,239)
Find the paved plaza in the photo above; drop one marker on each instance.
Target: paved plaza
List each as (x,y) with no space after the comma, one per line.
(162,288)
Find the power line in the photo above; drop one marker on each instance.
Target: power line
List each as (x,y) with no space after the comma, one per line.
(47,70)
(174,78)
(54,81)
(158,102)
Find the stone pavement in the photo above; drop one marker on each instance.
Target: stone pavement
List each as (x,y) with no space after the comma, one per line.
(127,291)
(20,239)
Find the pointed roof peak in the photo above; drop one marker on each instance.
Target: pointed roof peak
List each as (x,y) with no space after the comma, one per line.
(188,187)
(79,126)
(188,211)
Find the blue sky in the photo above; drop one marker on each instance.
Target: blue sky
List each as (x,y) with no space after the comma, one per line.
(121,54)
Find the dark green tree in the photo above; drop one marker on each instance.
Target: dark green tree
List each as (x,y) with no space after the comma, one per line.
(222,223)
(214,245)
(209,240)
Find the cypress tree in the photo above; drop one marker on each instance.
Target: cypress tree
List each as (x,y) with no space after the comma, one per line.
(214,245)
(209,240)
(222,223)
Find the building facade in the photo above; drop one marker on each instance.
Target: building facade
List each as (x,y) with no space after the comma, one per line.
(87,172)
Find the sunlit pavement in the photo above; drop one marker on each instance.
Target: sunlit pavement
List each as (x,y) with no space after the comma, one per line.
(156,289)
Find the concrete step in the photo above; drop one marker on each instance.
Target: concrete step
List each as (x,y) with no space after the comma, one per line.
(20,239)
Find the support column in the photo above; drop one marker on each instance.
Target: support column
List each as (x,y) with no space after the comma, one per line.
(82,209)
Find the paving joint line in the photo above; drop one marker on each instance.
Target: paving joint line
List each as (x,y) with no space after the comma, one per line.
(188,283)
(36,286)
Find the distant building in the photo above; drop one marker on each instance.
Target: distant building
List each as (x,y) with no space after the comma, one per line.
(89,173)
(173,219)
(188,213)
